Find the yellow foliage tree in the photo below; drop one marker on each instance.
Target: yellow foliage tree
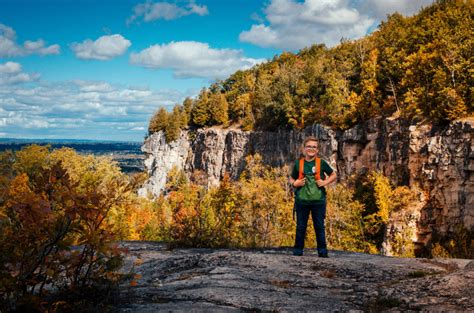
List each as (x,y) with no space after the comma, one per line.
(344,221)
(266,205)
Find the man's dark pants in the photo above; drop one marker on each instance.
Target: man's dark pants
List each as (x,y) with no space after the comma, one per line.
(318,214)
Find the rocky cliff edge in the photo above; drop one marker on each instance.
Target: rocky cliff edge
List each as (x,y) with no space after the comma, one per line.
(273,280)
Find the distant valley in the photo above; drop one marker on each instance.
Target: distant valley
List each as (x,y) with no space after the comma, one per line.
(127,154)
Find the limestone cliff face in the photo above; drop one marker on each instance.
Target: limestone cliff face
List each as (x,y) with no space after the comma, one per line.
(441,163)
(161,157)
(438,161)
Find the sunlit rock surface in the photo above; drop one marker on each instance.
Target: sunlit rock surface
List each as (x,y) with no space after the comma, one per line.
(161,157)
(274,280)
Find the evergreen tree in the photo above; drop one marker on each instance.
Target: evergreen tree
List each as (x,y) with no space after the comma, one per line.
(158,121)
(175,122)
(218,107)
(187,109)
(201,115)
(241,107)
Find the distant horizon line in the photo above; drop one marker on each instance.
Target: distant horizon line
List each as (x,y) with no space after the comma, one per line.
(62,140)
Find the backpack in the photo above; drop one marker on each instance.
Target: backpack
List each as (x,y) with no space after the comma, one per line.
(310,192)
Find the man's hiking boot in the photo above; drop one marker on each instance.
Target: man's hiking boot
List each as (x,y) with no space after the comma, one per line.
(323,255)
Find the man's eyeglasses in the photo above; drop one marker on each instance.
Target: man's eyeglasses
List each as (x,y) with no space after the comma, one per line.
(311,147)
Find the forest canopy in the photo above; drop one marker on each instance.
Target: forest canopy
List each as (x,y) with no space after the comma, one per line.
(417,68)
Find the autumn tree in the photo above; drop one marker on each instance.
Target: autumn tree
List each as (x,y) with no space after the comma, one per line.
(46,210)
(159,121)
(246,118)
(392,43)
(227,214)
(370,95)
(175,179)
(201,113)
(192,220)
(238,84)
(344,221)
(262,98)
(218,109)
(175,124)
(171,123)
(187,111)
(265,205)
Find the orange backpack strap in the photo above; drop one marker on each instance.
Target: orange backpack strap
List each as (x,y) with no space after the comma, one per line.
(301,169)
(317,174)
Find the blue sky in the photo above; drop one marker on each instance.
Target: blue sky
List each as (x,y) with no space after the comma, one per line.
(91,69)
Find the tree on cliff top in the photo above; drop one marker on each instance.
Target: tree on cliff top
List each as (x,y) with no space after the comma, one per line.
(200,112)
(219,108)
(158,121)
(416,67)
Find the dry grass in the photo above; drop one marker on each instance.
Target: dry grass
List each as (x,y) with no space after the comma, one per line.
(418,274)
(327,274)
(447,266)
(281,283)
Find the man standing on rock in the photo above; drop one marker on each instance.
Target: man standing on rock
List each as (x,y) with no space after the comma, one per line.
(310,196)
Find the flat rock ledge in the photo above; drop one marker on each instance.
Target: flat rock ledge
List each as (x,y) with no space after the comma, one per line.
(273,280)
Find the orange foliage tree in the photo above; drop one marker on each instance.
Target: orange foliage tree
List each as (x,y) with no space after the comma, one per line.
(55,233)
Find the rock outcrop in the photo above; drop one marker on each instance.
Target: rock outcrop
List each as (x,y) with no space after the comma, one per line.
(161,157)
(436,161)
(273,280)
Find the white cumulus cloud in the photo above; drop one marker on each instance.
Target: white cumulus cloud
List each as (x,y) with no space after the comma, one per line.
(10,48)
(79,109)
(104,48)
(292,24)
(10,68)
(11,73)
(193,59)
(150,11)
(380,9)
